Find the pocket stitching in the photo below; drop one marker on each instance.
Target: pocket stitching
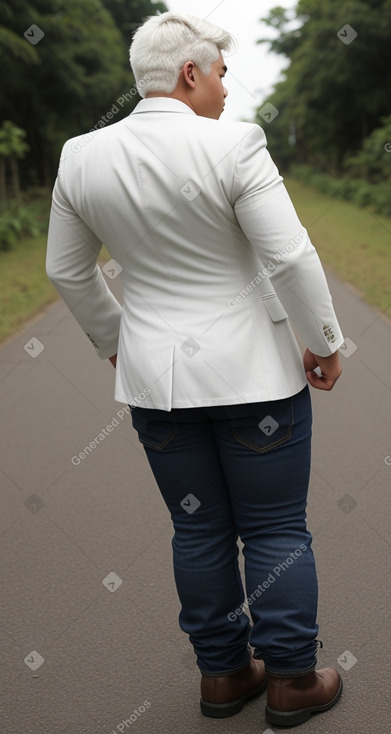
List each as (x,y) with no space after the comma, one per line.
(271,446)
(161,446)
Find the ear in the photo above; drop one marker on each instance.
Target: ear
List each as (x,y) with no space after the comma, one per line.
(188,73)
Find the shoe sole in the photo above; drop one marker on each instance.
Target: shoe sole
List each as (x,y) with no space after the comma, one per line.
(294,718)
(223,710)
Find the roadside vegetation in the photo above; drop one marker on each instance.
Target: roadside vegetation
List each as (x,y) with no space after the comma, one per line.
(353,242)
(328,125)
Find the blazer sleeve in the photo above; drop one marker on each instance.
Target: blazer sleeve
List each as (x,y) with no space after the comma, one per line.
(71,265)
(269,220)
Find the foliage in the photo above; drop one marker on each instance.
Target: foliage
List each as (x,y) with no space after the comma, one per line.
(12,140)
(373,161)
(12,147)
(374,197)
(334,93)
(67,82)
(26,218)
(129,15)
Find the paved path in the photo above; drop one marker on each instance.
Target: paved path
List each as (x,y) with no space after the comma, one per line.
(86,558)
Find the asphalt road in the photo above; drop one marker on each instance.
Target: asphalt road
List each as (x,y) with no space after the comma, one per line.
(89,639)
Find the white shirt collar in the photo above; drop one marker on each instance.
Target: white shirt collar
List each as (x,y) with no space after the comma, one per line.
(162,104)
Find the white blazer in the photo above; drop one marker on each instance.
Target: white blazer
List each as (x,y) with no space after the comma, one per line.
(214,260)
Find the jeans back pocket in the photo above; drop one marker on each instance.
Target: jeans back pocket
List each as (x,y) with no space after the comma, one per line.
(152,432)
(262,427)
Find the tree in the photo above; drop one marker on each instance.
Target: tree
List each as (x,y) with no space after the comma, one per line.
(13,44)
(129,14)
(336,88)
(12,147)
(373,161)
(67,82)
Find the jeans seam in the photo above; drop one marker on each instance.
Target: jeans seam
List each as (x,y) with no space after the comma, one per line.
(258,449)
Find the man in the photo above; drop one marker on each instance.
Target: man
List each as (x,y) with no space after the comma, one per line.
(215,264)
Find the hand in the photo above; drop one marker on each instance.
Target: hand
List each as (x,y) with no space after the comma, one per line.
(330,366)
(113,360)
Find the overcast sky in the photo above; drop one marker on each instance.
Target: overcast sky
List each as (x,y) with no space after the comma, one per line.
(252,69)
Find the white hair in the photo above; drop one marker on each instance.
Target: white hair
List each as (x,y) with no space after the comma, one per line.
(163,44)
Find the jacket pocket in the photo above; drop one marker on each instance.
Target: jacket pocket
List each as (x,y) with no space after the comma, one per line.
(274,307)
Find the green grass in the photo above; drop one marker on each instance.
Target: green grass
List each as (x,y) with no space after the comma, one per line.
(25,289)
(24,286)
(354,243)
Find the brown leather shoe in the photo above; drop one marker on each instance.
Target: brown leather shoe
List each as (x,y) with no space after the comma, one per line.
(291,701)
(226,695)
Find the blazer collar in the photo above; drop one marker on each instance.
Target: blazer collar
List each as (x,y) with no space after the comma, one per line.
(162,104)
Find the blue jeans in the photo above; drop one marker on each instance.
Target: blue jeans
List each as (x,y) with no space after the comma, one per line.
(239,471)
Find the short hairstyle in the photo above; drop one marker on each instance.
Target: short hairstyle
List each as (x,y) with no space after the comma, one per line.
(163,44)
